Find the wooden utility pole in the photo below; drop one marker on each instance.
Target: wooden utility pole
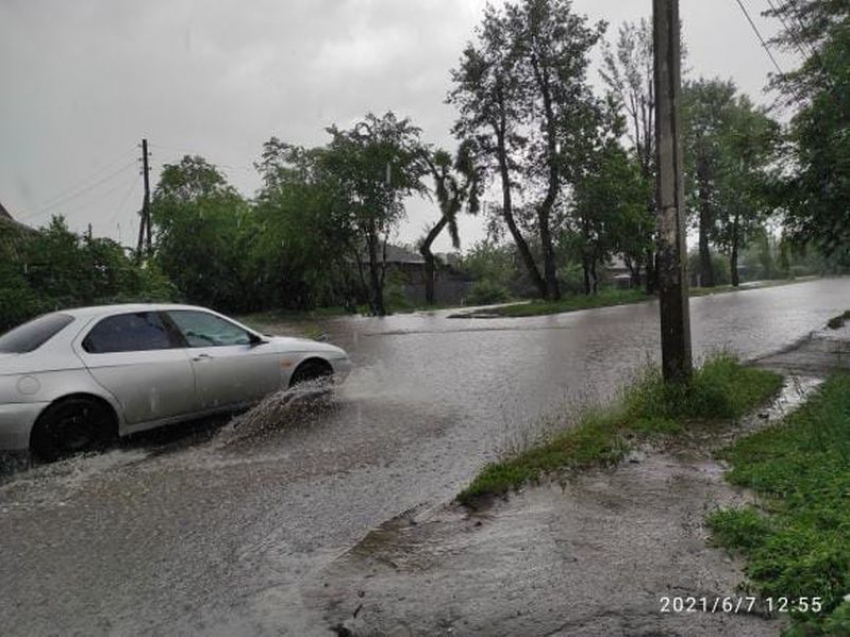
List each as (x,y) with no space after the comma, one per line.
(145,222)
(677,358)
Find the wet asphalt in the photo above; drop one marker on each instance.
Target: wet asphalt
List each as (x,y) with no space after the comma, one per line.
(216,528)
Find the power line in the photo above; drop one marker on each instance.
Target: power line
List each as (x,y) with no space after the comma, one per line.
(96,171)
(759,36)
(119,209)
(791,32)
(100,196)
(80,192)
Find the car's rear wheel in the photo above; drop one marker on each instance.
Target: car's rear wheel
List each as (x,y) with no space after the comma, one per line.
(72,426)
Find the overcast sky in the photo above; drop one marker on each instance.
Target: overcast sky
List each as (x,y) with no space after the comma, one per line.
(84,80)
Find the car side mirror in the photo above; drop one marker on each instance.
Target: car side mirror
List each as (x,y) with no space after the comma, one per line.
(255,340)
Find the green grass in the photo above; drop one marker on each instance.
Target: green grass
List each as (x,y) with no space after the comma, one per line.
(797,542)
(722,389)
(572,303)
(605,298)
(839,321)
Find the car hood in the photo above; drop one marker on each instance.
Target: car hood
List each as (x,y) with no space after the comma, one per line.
(294,344)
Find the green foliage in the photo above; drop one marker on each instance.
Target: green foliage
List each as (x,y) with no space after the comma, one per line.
(722,389)
(493,262)
(377,163)
(815,193)
(801,469)
(609,212)
(56,268)
(743,528)
(720,267)
(308,247)
(487,292)
(730,145)
(204,231)
(522,92)
(838,322)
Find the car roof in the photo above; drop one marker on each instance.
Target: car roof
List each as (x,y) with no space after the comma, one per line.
(105,310)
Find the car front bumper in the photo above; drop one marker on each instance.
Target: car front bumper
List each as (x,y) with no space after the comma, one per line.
(16,422)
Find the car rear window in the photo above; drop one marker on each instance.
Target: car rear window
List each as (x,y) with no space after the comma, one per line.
(137,332)
(30,336)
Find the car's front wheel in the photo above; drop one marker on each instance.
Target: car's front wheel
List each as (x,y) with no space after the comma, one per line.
(313,373)
(72,426)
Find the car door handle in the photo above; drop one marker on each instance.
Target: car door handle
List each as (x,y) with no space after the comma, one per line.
(201,357)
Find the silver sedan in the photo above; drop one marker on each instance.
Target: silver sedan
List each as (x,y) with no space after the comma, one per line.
(71,380)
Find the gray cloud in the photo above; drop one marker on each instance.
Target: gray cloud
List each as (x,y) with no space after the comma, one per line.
(84,81)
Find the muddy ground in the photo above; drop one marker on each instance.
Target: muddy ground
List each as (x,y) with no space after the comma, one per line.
(595,555)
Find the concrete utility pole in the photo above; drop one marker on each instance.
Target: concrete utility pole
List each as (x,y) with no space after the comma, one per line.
(677,358)
(145,223)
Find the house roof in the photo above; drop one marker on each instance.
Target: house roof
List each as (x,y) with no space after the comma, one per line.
(5,217)
(396,255)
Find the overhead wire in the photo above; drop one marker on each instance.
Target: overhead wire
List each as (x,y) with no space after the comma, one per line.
(100,167)
(760,37)
(79,193)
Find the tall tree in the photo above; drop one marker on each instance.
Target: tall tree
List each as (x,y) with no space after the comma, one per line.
(707,108)
(457,184)
(748,144)
(628,72)
(487,95)
(308,241)
(522,92)
(378,163)
(608,211)
(815,193)
(202,232)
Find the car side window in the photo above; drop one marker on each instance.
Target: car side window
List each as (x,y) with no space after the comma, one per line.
(201,329)
(136,332)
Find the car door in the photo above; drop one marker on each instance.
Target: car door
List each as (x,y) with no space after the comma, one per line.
(143,362)
(232,366)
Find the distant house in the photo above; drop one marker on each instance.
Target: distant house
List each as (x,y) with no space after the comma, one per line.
(619,272)
(409,267)
(409,263)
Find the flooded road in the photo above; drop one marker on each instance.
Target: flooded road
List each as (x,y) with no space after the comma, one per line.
(217,529)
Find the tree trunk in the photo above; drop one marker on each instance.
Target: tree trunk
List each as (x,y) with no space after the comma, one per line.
(544,212)
(430,268)
(651,279)
(553,287)
(733,256)
(706,268)
(585,267)
(375,276)
(594,276)
(634,271)
(508,214)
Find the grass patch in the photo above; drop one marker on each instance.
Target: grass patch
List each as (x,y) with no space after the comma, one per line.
(798,543)
(839,321)
(572,303)
(722,389)
(605,298)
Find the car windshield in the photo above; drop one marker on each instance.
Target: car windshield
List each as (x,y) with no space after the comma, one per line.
(30,336)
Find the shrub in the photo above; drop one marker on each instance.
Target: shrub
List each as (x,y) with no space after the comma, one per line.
(487,292)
